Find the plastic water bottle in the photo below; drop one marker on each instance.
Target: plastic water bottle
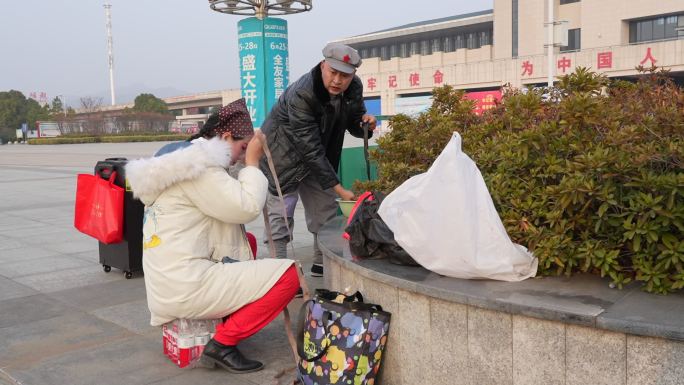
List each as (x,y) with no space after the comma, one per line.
(202,335)
(212,327)
(186,342)
(186,337)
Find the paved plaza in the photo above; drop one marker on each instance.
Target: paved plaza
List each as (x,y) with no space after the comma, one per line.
(63,320)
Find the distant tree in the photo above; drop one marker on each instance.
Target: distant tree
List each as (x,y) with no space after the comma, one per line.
(149,103)
(90,104)
(57,107)
(12,110)
(93,122)
(16,109)
(35,112)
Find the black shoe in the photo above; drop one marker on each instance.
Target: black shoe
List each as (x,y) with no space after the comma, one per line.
(228,357)
(317,270)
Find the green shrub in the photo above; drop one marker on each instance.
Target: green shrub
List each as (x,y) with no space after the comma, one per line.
(141,138)
(590,177)
(108,139)
(60,140)
(122,133)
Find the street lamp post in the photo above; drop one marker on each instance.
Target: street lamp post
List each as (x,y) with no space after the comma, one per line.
(550,47)
(260,8)
(262,42)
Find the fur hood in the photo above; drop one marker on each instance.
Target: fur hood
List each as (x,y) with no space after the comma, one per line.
(149,177)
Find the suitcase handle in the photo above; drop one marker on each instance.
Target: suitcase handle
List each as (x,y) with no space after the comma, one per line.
(106,172)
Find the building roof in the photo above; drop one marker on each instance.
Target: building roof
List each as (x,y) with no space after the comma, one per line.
(436,21)
(423,26)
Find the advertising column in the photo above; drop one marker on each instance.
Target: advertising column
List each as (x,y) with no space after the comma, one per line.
(264,64)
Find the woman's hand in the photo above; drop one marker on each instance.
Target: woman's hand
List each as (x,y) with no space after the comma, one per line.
(255,149)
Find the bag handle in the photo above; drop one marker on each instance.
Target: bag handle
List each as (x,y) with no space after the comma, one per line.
(286,314)
(271,246)
(112,178)
(300,332)
(366,126)
(332,295)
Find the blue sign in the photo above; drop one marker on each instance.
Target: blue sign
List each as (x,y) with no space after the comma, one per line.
(373,107)
(264,64)
(277,60)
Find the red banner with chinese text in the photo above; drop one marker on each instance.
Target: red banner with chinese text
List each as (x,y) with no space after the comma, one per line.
(484,100)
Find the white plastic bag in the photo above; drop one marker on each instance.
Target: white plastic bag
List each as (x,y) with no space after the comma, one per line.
(446,220)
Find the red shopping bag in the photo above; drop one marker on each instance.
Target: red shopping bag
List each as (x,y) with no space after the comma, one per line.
(99,208)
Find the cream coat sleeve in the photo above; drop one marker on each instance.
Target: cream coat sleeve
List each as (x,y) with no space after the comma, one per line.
(227,199)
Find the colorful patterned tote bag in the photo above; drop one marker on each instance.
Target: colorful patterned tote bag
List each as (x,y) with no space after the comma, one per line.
(341,339)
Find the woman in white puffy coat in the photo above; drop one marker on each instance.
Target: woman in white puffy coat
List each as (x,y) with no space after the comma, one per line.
(193,215)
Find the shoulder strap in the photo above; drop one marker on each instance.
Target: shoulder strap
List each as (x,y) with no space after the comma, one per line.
(271,167)
(302,281)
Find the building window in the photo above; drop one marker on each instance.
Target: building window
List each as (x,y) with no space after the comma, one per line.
(460,42)
(574,41)
(671,25)
(404,50)
(658,28)
(484,38)
(436,45)
(569,1)
(472,42)
(448,44)
(514,31)
(427,43)
(384,52)
(425,48)
(394,51)
(414,48)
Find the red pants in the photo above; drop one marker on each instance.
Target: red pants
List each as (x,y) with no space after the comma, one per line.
(252,244)
(253,317)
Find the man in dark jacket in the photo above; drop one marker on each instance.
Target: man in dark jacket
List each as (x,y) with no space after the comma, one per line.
(305,132)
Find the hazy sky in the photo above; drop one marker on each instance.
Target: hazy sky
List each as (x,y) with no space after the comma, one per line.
(170,47)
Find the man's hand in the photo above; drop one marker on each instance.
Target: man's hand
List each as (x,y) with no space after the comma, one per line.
(370,119)
(343,193)
(255,149)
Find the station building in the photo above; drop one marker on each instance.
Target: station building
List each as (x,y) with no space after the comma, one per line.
(481,52)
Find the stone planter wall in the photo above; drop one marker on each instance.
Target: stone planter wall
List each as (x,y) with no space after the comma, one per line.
(437,341)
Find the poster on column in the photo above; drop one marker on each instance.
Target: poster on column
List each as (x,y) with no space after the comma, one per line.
(252,68)
(277,60)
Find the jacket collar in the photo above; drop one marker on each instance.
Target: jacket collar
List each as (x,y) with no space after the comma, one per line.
(322,94)
(149,177)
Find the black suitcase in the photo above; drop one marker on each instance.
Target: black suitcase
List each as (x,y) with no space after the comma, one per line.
(127,254)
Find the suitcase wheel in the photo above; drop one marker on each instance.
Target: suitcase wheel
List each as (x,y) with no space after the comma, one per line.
(128,274)
(106,268)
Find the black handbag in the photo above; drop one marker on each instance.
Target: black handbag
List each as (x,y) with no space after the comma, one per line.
(369,236)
